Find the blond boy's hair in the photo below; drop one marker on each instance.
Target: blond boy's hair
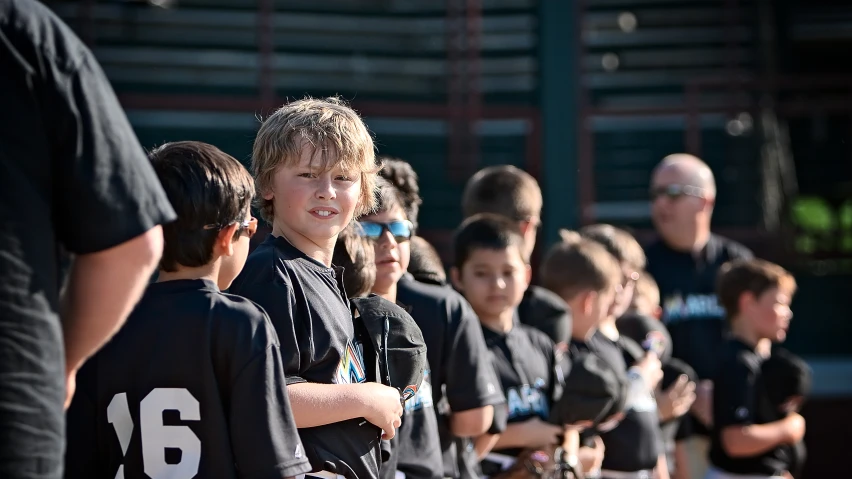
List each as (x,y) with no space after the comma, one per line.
(502,190)
(754,276)
(619,243)
(647,290)
(577,264)
(333,133)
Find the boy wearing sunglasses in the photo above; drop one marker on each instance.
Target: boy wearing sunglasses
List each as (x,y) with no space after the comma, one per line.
(193,383)
(464,387)
(416,448)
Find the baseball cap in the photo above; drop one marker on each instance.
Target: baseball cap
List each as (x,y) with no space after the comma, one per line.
(785,375)
(592,391)
(649,332)
(397,342)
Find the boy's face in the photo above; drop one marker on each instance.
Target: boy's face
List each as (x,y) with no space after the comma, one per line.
(624,292)
(392,254)
(493,280)
(770,314)
(313,204)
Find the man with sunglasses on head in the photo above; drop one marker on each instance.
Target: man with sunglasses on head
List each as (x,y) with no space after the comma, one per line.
(684,260)
(193,385)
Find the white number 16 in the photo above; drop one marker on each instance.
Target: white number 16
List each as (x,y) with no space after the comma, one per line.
(156,436)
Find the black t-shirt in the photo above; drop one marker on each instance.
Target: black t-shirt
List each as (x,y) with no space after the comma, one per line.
(636,443)
(547,312)
(691,311)
(735,403)
(529,374)
(461,377)
(73,177)
(416,448)
(308,307)
(193,382)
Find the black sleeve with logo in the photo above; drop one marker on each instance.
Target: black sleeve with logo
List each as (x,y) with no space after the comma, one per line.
(735,404)
(195,374)
(547,312)
(461,379)
(306,305)
(636,443)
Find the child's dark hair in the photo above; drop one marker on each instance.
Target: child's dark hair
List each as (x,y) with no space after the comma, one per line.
(401,175)
(387,197)
(504,190)
(355,255)
(619,243)
(485,231)
(754,276)
(209,190)
(426,265)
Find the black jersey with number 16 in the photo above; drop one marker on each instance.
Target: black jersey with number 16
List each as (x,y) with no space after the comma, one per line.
(191,386)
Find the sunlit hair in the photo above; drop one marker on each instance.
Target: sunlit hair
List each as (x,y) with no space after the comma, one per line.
(333,134)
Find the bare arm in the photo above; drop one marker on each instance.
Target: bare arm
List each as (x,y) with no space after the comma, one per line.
(755,439)
(320,404)
(530,433)
(662,469)
(681,461)
(473,422)
(103,288)
(484,444)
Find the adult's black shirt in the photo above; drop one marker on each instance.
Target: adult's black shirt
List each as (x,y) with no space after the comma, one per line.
(307,305)
(193,384)
(461,379)
(546,311)
(72,176)
(691,311)
(636,443)
(736,391)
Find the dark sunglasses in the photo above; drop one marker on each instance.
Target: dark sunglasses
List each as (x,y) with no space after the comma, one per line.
(248,228)
(675,191)
(400,230)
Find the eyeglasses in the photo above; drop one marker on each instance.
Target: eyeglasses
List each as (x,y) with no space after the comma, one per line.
(400,230)
(248,228)
(675,191)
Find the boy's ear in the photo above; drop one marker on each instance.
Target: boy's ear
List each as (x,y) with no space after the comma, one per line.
(267,194)
(455,277)
(745,301)
(657,312)
(224,245)
(588,301)
(529,274)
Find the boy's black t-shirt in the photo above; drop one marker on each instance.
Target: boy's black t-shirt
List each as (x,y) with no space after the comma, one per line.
(308,307)
(529,373)
(691,311)
(192,384)
(461,379)
(735,403)
(636,443)
(73,178)
(416,448)
(547,312)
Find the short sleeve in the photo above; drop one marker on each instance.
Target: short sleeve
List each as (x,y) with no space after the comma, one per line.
(106,191)
(264,437)
(276,298)
(733,396)
(470,378)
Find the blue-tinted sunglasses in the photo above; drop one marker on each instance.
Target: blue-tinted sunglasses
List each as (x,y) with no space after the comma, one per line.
(400,230)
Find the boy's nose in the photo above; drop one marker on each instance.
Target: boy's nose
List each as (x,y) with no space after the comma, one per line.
(325,189)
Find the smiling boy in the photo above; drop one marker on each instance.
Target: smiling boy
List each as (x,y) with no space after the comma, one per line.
(315,169)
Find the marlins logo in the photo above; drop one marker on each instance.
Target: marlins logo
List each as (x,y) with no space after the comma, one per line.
(351,366)
(418,398)
(676,308)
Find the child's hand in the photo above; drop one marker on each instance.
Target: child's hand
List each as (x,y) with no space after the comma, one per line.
(382,407)
(538,433)
(591,459)
(650,369)
(702,408)
(795,425)
(677,399)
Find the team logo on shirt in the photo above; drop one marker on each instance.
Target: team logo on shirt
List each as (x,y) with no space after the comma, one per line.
(528,400)
(422,395)
(676,308)
(351,366)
